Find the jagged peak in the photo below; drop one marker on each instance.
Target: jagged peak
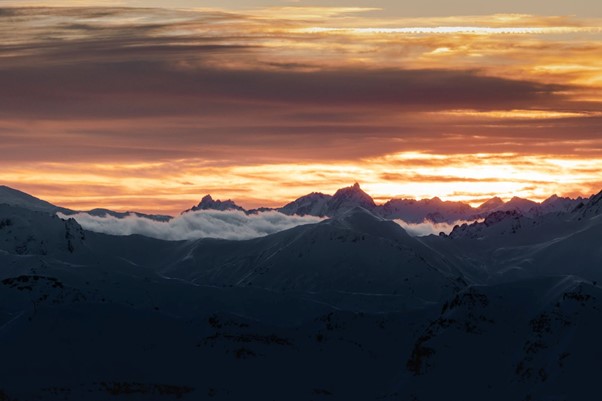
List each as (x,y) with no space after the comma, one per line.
(206,198)
(354,190)
(208,203)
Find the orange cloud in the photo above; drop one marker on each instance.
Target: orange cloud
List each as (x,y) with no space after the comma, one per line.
(175,186)
(150,109)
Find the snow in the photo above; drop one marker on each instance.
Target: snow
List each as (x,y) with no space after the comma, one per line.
(351,307)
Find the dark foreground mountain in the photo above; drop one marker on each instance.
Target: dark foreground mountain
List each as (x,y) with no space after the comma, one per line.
(350,308)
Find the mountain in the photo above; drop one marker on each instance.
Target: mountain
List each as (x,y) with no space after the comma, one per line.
(501,309)
(495,224)
(409,210)
(556,204)
(513,246)
(492,204)
(592,207)
(545,332)
(26,233)
(314,204)
(13,197)
(99,212)
(418,211)
(349,198)
(318,204)
(207,203)
(323,205)
(354,253)
(521,205)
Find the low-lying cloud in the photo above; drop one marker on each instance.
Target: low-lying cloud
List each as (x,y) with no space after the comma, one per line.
(232,225)
(429,228)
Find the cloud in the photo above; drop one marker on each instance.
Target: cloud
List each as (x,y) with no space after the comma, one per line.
(232,225)
(117,106)
(429,228)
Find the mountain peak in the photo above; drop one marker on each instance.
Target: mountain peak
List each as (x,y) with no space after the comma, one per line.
(360,219)
(521,202)
(314,204)
(517,199)
(593,206)
(355,189)
(14,197)
(350,197)
(491,204)
(208,203)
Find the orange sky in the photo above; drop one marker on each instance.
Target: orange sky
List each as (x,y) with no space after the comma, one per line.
(149,109)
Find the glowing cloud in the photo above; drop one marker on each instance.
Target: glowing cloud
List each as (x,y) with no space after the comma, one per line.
(445,30)
(149,109)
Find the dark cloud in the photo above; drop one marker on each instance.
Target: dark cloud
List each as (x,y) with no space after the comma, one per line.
(138,89)
(97,84)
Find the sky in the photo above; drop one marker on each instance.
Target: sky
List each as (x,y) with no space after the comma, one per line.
(148,105)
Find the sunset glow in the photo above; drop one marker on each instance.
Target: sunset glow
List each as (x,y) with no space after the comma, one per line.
(151,108)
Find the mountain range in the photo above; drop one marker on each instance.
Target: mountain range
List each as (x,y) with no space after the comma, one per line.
(507,306)
(322,205)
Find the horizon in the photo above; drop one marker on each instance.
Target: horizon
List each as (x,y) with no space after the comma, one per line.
(131,108)
(378,202)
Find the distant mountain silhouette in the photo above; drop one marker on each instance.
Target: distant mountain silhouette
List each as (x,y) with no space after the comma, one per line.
(322,205)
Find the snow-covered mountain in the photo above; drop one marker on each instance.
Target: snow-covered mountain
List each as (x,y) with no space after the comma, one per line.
(314,204)
(434,210)
(322,205)
(517,204)
(348,308)
(417,211)
(99,212)
(535,339)
(14,197)
(490,205)
(409,210)
(355,253)
(590,208)
(555,204)
(318,204)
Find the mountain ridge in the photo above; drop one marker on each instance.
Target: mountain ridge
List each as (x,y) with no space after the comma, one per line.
(319,204)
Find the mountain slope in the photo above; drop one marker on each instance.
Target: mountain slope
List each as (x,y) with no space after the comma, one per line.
(538,339)
(356,253)
(13,197)
(434,210)
(314,204)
